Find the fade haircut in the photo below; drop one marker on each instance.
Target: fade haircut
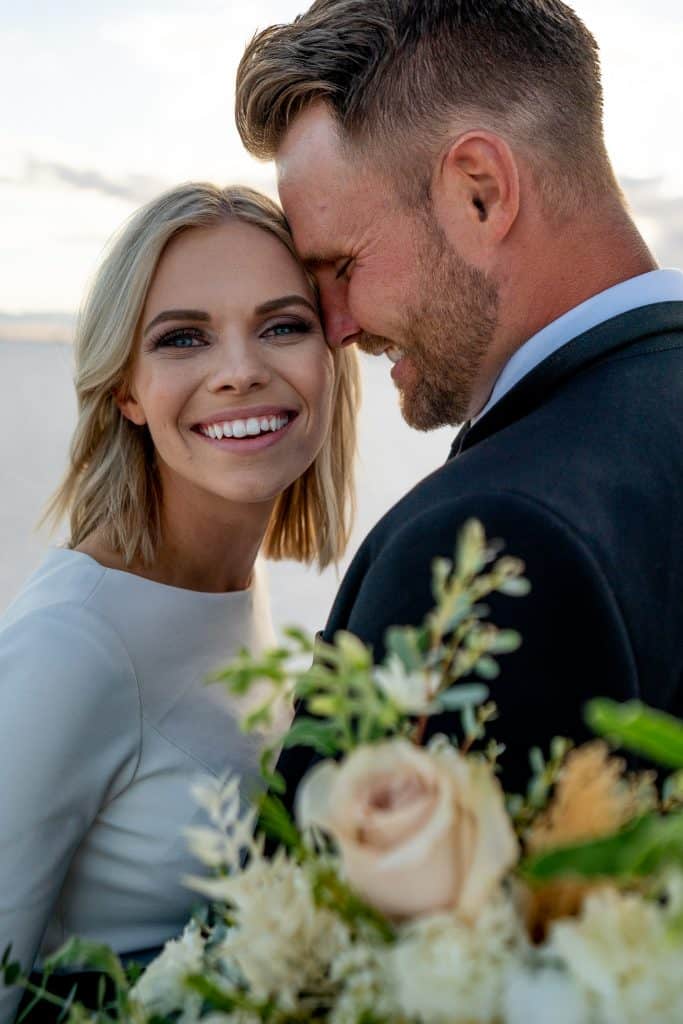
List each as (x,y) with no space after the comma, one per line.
(400,77)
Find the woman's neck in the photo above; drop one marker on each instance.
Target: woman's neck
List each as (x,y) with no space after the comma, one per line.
(212,549)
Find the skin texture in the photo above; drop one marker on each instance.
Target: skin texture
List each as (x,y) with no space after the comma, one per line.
(457,281)
(217,498)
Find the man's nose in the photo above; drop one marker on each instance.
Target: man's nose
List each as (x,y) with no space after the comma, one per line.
(238,366)
(341,328)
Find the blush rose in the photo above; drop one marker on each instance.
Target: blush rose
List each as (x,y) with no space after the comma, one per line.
(419,830)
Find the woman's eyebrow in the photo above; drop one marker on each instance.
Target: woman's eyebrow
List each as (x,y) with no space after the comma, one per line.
(177,314)
(272,305)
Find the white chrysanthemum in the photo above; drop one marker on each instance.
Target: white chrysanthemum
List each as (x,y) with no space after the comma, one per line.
(161,989)
(446,971)
(413,692)
(361,972)
(625,956)
(281,942)
(544,995)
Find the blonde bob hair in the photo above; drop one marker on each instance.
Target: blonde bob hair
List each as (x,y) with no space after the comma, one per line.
(112,483)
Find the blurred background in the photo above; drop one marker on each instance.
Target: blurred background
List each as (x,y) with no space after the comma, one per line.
(108,103)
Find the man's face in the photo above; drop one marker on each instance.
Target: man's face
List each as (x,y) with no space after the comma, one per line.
(389,278)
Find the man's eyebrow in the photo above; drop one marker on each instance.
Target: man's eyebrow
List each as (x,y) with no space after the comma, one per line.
(273,305)
(177,314)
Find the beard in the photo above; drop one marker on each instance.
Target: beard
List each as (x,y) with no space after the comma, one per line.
(445,334)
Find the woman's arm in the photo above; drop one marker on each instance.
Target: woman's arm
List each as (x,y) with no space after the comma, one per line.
(69,742)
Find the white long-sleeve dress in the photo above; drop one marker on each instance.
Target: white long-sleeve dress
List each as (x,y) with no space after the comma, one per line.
(105,722)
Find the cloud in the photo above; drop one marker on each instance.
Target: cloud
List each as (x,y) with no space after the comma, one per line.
(660,216)
(136,188)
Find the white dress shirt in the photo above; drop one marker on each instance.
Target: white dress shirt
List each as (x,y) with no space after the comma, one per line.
(644,290)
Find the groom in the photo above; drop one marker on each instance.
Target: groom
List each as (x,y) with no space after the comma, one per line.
(443,168)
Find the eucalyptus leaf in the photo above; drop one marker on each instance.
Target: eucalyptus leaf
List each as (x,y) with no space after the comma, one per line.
(638,728)
(404,642)
(487,668)
(516,586)
(458,697)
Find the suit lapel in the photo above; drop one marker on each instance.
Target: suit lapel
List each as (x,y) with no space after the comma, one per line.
(585,350)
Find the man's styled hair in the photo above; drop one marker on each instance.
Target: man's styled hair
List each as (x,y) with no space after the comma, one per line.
(399,76)
(112,482)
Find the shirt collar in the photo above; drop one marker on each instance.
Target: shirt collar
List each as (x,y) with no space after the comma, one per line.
(644,290)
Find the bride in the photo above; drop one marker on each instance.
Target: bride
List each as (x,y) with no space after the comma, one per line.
(214,422)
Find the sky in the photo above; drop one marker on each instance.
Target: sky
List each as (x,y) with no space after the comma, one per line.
(107,103)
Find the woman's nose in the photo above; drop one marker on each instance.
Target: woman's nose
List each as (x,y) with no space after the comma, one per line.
(238,366)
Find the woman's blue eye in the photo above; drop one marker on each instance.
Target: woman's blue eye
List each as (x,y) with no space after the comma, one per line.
(180,339)
(284,330)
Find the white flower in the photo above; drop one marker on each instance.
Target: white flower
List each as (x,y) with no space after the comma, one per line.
(624,955)
(281,943)
(444,970)
(161,989)
(412,692)
(547,994)
(361,971)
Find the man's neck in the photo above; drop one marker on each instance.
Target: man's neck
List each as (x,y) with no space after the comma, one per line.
(545,281)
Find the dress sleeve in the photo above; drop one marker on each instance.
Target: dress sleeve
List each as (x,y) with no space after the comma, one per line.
(69,743)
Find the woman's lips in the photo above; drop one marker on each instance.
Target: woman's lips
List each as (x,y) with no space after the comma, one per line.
(249,443)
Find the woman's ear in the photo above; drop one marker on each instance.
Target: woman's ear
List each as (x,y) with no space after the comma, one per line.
(476,193)
(129,406)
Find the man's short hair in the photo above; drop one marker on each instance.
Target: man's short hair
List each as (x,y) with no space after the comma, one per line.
(399,75)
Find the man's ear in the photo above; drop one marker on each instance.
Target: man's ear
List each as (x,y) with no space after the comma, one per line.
(476,193)
(129,406)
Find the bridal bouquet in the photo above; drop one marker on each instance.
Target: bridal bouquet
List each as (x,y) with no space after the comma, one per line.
(408,887)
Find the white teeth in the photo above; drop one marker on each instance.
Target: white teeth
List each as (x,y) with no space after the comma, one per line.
(394,354)
(251,427)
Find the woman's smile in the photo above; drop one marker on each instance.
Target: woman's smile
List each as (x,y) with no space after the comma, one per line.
(247,430)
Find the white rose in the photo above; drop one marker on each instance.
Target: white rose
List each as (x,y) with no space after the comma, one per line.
(419,830)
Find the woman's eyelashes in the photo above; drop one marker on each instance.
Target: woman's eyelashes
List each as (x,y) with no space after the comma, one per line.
(183,338)
(180,338)
(288,329)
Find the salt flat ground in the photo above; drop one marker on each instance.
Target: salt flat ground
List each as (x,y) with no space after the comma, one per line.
(37,414)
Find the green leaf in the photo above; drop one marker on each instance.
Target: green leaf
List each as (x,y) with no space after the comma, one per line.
(84,953)
(273,780)
(505,642)
(457,697)
(275,821)
(487,668)
(515,587)
(638,728)
(322,736)
(404,642)
(305,641)
(354,652)
(330,891)
(470,550)
(217,998)
(643,847)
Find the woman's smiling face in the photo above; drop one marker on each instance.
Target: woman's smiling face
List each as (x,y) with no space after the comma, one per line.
(232,374)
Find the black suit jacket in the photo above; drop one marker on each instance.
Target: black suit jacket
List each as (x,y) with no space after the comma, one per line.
(579,469)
